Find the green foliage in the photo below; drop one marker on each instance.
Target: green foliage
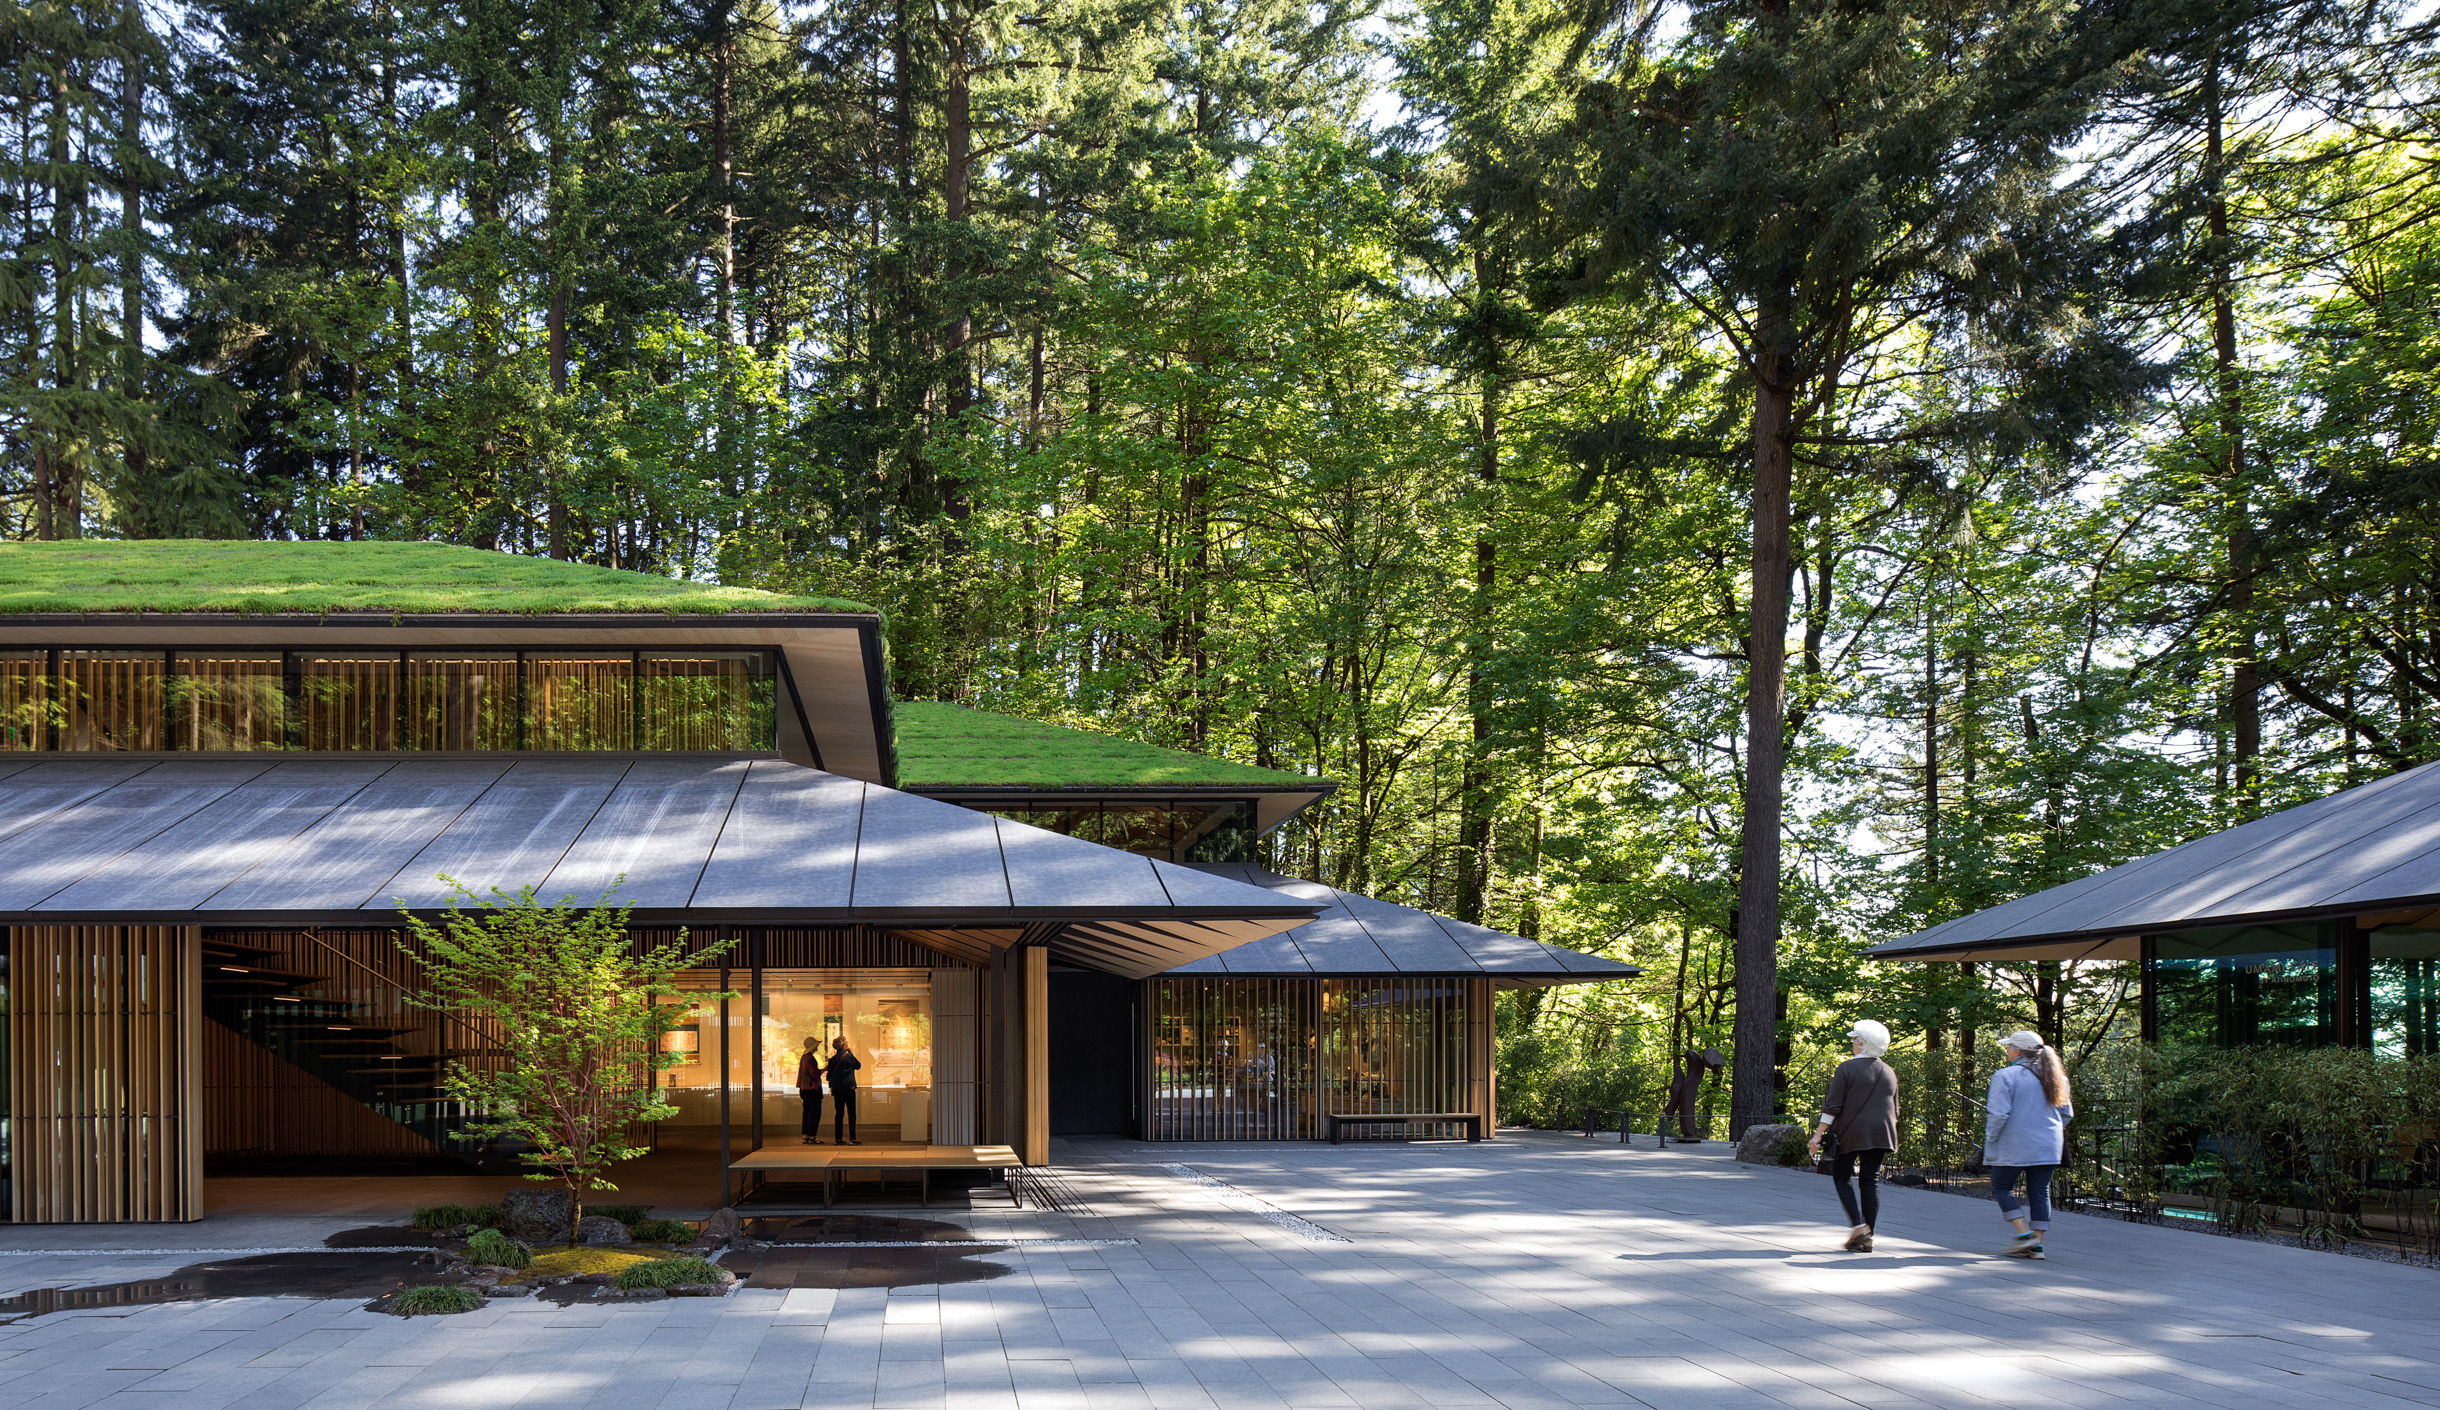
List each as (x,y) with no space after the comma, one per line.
(579,1012)
(662,1231)
(434,1301)
(450,1216)
(184,575)
(627,1214)
(495,1248)
(668,1273)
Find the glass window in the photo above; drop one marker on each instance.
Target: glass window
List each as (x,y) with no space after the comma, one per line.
(348,700)
(885,1015)
(111,699)
(719,700)
(230,701)
(1215,832)
(2247,984)
(2405,991)
(24,678)
(580,702)
(462,701)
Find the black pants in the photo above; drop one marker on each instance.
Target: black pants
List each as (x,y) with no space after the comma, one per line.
(1849,1165)
(843,1104)
(813,1110)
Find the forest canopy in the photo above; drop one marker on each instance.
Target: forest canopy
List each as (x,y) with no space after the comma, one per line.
(1716,484)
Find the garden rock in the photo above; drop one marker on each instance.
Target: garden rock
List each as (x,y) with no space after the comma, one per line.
(537,1216)
(1760,1145)
(601,1230)
(634,1294)
(720,1228)
(700,1290)
(509,1290)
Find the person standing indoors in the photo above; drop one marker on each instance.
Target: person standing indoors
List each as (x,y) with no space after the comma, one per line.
(809,1088)
(842,1074)
(2026,1134)
(1861,1117)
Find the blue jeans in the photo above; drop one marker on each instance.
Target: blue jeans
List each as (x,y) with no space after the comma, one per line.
(2037,1189)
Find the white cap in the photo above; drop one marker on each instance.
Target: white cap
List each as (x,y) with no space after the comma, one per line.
(1874,1035)
(2024,1040)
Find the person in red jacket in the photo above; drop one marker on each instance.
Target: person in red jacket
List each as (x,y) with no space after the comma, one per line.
(809,1087)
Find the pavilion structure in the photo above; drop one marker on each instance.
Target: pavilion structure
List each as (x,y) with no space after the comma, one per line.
(226,771)
(2316,926)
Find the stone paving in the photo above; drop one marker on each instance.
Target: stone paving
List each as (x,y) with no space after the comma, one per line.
(1536,1271)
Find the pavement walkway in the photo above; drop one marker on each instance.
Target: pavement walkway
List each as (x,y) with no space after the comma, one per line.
(1535,1271)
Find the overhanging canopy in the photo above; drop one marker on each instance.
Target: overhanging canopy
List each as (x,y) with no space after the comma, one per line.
(1363,935)
(698,839)
(2365,851)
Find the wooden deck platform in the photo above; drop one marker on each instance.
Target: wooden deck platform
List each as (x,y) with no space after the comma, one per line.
(757,1167)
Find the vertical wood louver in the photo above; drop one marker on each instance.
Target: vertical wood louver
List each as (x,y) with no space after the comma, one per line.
(105,1073)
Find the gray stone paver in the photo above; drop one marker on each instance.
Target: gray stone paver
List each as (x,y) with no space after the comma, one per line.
(1535,1273)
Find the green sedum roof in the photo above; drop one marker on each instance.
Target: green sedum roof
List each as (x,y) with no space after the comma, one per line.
(950,746)
(202,575)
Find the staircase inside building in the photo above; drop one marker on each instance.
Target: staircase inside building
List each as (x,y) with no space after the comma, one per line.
(352,1030)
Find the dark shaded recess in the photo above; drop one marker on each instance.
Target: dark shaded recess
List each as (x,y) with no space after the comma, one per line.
(1091,1058)
(852,1228)
(385,1236)
(315,1275)
(816,1266)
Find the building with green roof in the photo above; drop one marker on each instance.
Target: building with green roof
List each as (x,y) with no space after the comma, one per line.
(226,768)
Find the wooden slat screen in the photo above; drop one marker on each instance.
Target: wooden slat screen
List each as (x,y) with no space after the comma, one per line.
(580,702)
(105,1074)
(230,701)
(1260,1059)
(719,700)
(462,702)
(111,699)
(24,676)
(348,700)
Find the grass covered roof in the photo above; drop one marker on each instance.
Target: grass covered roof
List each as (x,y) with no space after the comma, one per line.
(949,746)
(202,575)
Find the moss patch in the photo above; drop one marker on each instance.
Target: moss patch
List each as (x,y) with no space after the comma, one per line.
(949,746)
(574,1262)
(200,575)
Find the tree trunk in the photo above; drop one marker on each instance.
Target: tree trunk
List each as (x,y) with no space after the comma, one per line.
(1765,726)
(2245,686)
(131,224)
(1474,801)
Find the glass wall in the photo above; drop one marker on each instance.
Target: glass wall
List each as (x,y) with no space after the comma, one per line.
(485,701)
(1262,1059)
(885,1015)
(2405,990)
(1177,830)
(2274,984)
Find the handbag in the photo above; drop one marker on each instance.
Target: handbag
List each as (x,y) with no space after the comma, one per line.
(1827,1162)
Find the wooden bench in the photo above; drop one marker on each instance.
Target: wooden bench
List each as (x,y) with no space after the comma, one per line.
(1332,1121)
(921,1161)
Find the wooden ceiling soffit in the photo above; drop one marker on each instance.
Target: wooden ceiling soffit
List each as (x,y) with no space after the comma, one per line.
(1141,949)
(2113,947)
(972,947)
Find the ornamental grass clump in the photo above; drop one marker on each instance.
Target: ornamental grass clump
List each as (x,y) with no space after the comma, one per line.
(662,1231)
(435,1301)
(669,1273)
(452,1216)
(495,1249)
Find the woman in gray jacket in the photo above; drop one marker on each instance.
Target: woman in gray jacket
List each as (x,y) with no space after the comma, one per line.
(2026,1134)
(1862,1112)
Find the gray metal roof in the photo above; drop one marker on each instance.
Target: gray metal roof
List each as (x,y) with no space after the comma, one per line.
(2369,849)
(699,839)
(1357,934)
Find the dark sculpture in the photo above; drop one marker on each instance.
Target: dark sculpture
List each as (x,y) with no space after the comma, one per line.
(1685,1086)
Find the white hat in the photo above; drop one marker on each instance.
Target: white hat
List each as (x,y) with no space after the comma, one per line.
(1875,1036)
(2024,1040)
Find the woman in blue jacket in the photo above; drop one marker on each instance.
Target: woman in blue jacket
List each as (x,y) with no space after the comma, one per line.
(2026,1135)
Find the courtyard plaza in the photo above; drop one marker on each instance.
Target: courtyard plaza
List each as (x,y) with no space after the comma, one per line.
(1540,1270)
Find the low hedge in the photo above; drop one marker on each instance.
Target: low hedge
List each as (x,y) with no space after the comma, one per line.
(669,1273)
